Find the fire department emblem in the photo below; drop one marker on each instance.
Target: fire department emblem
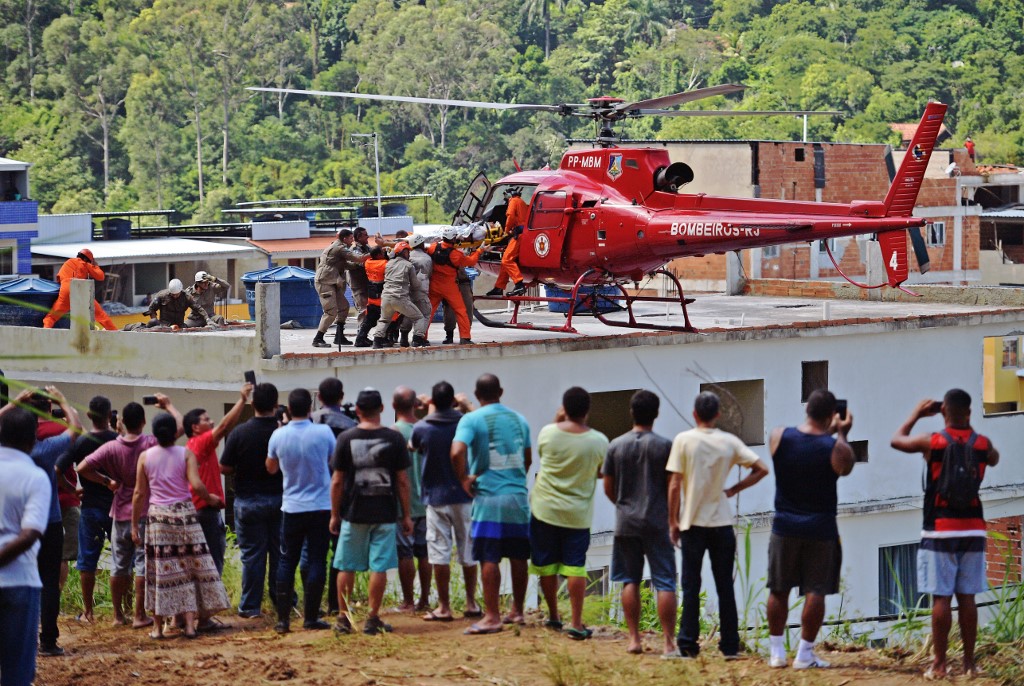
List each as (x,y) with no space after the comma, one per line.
(542,245)
(614,166)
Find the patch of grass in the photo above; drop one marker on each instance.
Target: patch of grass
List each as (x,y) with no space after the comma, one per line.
(562,670)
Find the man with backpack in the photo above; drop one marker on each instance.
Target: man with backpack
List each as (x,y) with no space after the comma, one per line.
(951,559)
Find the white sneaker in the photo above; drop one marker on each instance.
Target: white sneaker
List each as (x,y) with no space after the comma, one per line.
(814,663)
(777,662)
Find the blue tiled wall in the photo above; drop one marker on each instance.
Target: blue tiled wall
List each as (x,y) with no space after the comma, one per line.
(20,212)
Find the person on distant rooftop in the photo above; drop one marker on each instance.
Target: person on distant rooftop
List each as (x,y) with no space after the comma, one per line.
(168,307)
(331,283)
(81,266)
(205,291)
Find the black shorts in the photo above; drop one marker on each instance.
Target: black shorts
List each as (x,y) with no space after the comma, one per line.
(811,565)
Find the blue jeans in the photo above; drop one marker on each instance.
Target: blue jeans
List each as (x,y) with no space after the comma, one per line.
(720,544)
(19,615)
(211,520)
(300,529)
(258,529)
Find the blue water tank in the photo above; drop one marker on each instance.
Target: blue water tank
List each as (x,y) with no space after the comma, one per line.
(24,302)
(603,304)
(299,299)
(117,229)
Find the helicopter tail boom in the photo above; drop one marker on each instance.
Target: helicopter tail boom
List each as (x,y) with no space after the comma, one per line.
(902,196)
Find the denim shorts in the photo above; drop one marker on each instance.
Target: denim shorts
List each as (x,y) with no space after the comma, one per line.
(947,566)
(628,553)
(558,550)
(415,545)
(93,530)
(366,547)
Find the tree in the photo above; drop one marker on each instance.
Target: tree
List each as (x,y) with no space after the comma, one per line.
(92,68)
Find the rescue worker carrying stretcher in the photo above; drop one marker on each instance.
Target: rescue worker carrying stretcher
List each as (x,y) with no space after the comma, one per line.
(401,285)
(81,266)
(516,215)
(443,285)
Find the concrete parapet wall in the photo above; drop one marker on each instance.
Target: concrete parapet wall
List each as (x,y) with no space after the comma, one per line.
(959,295)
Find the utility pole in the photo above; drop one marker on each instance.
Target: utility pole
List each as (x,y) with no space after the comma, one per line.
(376,166)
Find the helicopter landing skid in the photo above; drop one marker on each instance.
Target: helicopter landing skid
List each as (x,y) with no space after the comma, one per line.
(577,301)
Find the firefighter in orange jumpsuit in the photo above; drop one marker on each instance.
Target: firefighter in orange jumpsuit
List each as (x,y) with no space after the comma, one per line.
(82,266)
(516,215)
(375,267)
(443,285)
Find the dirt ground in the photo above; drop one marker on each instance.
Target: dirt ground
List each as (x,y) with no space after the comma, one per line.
(420,653)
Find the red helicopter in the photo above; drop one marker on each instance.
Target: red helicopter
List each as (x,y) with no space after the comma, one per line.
(613,215)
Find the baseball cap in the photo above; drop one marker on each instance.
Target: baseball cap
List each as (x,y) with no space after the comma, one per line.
(369,399)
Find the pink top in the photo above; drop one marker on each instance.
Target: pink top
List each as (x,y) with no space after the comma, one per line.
(119,459)
(165,468)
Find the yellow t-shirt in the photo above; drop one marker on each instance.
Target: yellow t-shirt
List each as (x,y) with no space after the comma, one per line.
(704,458)
(563,494)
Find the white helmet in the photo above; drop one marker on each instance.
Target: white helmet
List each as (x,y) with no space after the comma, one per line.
(415,240)
(201,276)
(449,233)
(175,286)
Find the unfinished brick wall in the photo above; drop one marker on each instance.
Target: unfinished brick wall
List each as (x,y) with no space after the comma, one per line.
(1003,554)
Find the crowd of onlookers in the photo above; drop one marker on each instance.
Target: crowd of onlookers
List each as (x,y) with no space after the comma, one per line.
(333,492)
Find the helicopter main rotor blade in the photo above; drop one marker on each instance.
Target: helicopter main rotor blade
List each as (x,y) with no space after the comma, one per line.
(680,98)
(420,101)
(733,113)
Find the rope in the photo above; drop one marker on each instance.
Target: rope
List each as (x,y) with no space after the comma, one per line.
(835,264)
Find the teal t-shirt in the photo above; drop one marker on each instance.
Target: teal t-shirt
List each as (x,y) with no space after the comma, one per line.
(497,439)
(416,507)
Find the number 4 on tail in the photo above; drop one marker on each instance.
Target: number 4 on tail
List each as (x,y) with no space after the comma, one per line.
(893,263)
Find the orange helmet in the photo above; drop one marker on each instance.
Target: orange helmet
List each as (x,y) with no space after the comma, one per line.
(87,253)
(399,247)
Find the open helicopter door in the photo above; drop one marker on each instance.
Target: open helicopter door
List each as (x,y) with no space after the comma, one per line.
(472,201)
(542,241)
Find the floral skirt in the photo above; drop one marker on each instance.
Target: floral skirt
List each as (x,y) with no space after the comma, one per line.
(180,574)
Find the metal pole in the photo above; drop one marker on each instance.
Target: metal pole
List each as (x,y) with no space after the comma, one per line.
(376,165)
(805,128)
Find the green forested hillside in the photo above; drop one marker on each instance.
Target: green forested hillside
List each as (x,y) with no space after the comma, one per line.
(137,104)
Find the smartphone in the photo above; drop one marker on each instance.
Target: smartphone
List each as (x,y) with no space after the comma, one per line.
(250,377)
(113,417)
(841,409)
(935,407)
(149,400)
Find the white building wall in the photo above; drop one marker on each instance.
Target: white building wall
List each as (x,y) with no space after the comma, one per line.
(882,368)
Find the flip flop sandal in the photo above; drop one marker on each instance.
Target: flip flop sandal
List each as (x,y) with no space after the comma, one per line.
(553,624)
(473,614)
(434,617)
(475,630)
(579,634)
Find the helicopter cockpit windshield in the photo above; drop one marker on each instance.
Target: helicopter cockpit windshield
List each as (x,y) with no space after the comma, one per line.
(494,208)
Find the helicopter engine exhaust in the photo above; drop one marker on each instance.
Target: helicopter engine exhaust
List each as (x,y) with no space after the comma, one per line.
(670,179)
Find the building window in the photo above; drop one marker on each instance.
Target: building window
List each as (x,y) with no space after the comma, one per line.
(814,376)
(897,579)
(742,408)
(1010,356)
(936,234)
(8,258)
(597,582)
(770,252)
(827,244)
(609,412)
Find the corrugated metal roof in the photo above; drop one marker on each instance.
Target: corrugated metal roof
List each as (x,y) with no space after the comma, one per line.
(7,164)
(145,250)
(294,248)
(1012,213)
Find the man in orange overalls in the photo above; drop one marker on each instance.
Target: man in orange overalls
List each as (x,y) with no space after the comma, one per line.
(82,266)
(516,215)
(443,285)
(374,267)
